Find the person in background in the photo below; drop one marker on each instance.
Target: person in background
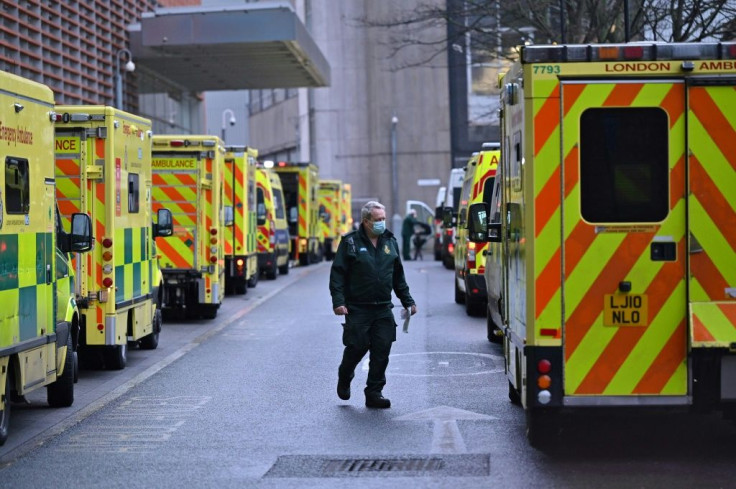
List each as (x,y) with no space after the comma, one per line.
(407,232)
(366,269)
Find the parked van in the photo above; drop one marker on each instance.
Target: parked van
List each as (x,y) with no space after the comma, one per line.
(470,260)
(438,210)
(273,231)
(452,201)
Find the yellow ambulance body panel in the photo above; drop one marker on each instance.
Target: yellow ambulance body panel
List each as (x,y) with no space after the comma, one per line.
(241,257)
(103,168)
(619,177)
(331,214)
(39,327)
(187,179)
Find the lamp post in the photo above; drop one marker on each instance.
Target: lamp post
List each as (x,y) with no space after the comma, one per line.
(232,121)
(129,66)
(394,173)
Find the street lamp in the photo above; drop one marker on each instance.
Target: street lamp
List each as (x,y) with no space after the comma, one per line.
(129,66)
(394,172)
(232,121)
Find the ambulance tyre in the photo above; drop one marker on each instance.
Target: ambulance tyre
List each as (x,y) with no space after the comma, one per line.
(304,259)
(5,415)
(541,429)
(459,295)
(474,308)
(284,269)
(116,357)
(61,392)
(208,311)
(252,281)
(514,395)
(76,367)
(272,272)
(241,288)
(150,342)
(493,330)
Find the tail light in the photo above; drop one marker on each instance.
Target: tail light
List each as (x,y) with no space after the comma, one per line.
(471,255)
(544,381)
(451,248)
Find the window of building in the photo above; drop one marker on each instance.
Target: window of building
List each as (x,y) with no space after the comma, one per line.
(133,193)
(17,186)
(624,171)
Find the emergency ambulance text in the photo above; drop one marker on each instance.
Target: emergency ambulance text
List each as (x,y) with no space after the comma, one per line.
(15,135)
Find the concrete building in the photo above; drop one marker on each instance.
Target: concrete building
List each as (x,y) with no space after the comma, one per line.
(347,128)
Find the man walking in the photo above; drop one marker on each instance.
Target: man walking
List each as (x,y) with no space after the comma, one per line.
(407,232)
(366,268)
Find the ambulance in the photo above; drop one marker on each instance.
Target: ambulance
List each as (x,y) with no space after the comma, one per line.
(241,256)
(103,169)
(618,208)
(39,327)
(188,180)
(449,216)
(346,209)
(273,232)
(300,182)
(331,215)
(470,256)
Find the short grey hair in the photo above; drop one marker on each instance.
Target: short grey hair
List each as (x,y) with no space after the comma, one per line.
(365,212)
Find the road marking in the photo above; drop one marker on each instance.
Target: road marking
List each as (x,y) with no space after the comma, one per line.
(446,437)
(436,364)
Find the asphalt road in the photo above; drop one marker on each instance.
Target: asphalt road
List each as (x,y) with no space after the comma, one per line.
(248,400)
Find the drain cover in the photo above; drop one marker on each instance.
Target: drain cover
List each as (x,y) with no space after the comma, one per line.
(299,466)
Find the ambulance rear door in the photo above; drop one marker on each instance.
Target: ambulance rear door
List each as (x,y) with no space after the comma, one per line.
(623,242)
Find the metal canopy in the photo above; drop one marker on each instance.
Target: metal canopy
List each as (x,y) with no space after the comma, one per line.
(229,48)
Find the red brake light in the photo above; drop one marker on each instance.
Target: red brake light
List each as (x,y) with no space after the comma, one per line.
(177,143)
(213,231)
(107,282)
(107,242)
(213,259)
(544,366)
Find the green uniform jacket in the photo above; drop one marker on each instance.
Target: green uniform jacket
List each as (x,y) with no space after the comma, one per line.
(364,276)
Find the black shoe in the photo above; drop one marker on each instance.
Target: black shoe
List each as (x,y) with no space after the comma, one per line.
(377,401)
(343,389)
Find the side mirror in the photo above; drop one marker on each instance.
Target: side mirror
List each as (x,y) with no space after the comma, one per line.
(478,222)
(80,239)
(229,215)
(165,226)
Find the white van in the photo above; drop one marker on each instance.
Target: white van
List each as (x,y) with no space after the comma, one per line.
(452,201)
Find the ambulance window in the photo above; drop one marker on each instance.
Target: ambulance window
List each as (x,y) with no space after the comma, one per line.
(17,186)
(278,204)
(133,192)
(624,170)
(260,208)
(488,190)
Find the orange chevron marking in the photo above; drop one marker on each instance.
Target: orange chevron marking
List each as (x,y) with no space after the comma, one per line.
(625,339)
(577,244)
(615,271)
(677,181)
(729,310)
(172,255)
(179,200)
(715,123)
(665,365)
(548,283)
(546,120)
(571,94)
(708,275)
(67,167)
(547,202)
(712,200)
(700,332)
(67,207)
(100,148)
(623,94)
(674,103)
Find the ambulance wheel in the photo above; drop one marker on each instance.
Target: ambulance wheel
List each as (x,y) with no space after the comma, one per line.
(304,259)
(61,392)
(116,357)
(473,308)
(150,342)
(208,311)
(494,332)
(252,281)
(5,415)
(541,428)
(284,269)
(241,288)
(272,272)
(76,367)
(514,395)
(459,295)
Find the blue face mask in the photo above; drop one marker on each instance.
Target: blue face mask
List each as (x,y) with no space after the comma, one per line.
(379,227)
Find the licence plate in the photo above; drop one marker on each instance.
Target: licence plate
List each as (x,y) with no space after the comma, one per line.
(625,310)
